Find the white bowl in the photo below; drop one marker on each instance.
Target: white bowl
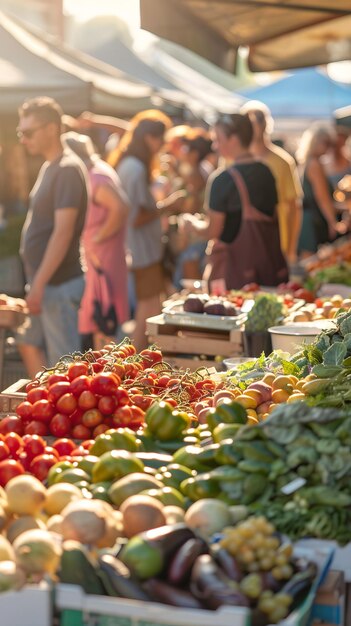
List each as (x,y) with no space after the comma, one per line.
(234,361)
(290,337)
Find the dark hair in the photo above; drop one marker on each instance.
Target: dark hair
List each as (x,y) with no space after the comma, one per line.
(133,142)
(200,144)
(237,124)
(45,109)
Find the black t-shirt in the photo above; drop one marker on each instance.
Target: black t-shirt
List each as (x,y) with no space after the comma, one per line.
(61,183)
(223,195)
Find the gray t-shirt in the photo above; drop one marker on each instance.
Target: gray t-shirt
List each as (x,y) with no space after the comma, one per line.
(60,184)
(144,242)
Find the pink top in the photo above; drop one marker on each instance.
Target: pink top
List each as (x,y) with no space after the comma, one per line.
(110,253)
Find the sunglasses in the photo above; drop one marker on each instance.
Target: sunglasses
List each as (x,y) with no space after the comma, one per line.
(28,133)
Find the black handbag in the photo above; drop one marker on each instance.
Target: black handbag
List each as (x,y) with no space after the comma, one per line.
(104,312)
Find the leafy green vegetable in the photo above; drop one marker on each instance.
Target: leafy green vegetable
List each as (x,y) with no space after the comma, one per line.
(335,354)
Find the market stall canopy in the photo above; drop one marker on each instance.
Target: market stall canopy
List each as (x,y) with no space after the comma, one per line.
(280,34)
(343,116)
(31,65)
(307,93)
(174,80)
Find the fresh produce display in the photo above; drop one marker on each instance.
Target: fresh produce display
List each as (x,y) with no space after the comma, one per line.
(56,532)
(85,395)
(267,311)
(320,309)
(210,305)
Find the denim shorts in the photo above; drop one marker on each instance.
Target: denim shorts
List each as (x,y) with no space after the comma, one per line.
(55,330)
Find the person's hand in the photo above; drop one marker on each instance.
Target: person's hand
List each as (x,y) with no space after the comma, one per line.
(85,120)
(332,230)
(34,299)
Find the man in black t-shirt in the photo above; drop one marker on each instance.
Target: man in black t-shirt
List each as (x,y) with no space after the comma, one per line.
(50,238)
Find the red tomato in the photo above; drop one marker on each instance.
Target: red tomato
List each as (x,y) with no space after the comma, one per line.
(36,428)
(24,460)
(32,384)
(318,302)
(99,429)
(60,425)
(76,417)
(81,432)
(57,390)
(250,287)
(92,418)
(122,416)
(97,367)
(51,450)
(37,393)
(57,378)
(121,396)
(14,442)
(33,445)
(80,384)
(64,446)
(24,410)
(150,357)
(87,400)
(79,452)
(107,405)
(41,464)
(118,369)
(11,424)
(87,443)
(67,404)
(78,368)
(4,451)
(304,294)
(9,468)
(137,416)
(105,383)
(42,411)
(143,402)
(163,380)
(172,401)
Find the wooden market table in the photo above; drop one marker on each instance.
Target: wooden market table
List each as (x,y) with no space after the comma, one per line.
(189,347)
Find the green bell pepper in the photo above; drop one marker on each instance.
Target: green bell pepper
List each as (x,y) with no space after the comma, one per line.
(165,423)
(228,412)
(200,487)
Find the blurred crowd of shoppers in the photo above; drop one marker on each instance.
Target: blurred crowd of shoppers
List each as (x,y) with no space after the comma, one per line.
(163,204)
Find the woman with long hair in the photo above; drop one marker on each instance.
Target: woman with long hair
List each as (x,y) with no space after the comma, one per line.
(135,162)
(103,242)
(319,223)
(241,202)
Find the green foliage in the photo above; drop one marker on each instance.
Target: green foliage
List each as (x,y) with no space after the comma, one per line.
(267,311)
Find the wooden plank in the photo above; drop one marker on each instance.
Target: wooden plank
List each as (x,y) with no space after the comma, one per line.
(157,326)
(11,397)
(196,345)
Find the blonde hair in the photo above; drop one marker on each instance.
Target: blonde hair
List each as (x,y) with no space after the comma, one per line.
(310,139)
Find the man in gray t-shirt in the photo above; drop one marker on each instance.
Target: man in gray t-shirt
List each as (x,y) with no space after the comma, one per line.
(50,237)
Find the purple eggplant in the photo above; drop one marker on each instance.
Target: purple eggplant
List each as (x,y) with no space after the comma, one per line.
(212,587)
(166,594)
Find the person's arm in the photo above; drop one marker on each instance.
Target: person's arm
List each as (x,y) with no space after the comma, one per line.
(320,189)
(58,244)
(117,212)
(294,220)
(113,124)
(172,203)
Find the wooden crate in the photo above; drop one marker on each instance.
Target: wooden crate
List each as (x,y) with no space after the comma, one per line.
(10,318)
(181,344)
(11,397)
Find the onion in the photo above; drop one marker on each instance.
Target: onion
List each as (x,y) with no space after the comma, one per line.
(84,521)
(38,551)
(208,516)
(25,495)
(11,577)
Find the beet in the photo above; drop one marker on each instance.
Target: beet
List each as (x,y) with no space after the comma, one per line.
(215,307)
(193,304)
(230,309)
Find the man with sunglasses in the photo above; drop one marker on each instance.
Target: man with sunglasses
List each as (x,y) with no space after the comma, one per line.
(50,238)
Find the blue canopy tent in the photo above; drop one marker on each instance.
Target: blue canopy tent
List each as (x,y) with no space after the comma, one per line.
(306,93)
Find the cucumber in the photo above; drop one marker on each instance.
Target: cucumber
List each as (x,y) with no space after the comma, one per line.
(77,568)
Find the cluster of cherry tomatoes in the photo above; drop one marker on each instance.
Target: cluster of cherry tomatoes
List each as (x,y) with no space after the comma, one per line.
(104,389)
(31,453)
